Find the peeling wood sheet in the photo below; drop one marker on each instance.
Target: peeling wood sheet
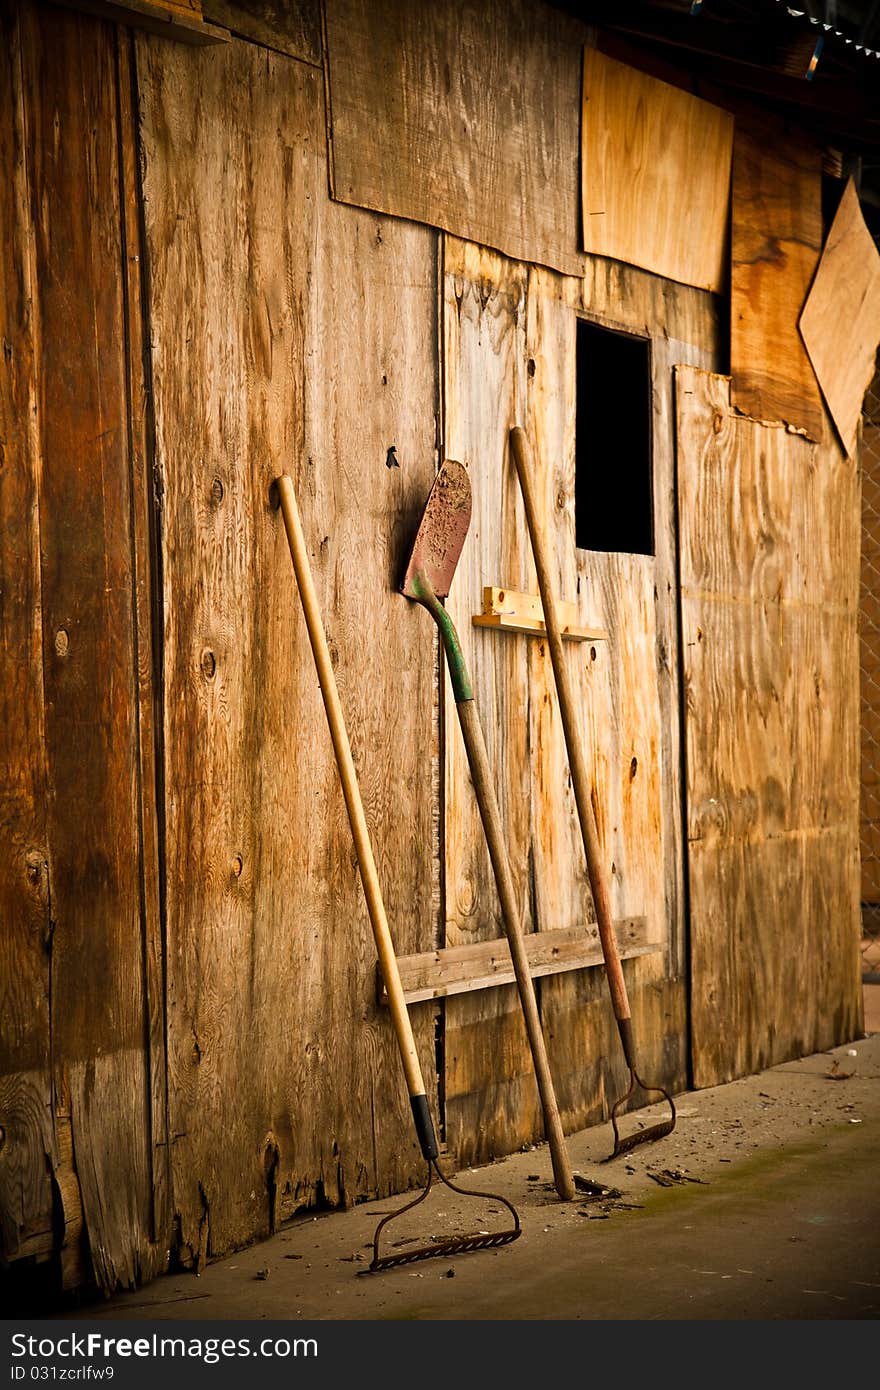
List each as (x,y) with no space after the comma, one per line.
(776,234)
(840,324)
(462,116)
(656,174)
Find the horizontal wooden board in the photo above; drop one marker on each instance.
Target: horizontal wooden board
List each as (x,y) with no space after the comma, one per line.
(776,234)
(840,324)
(290,26)
(488,964)
(461,116)
(656,174)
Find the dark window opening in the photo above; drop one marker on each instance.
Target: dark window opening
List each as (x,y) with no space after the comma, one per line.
(613,501)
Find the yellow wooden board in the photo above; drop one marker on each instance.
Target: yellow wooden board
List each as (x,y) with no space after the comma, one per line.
(840,324)
(655,174)
(776,235)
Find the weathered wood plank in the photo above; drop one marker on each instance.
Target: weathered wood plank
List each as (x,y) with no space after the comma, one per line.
(289,26)
(493,1110)
(769,571)
(620,729)
(89,660)
(26,1141)
(497,321)
(656,174)
(463,117)
(147,622)
(869,658)
(488,964)
(278,291)
(840,324)
(776,221)
(182,23)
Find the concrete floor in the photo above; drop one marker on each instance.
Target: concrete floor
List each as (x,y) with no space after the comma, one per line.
(764,1203)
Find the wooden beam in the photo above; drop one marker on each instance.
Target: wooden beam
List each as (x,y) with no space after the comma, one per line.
(181,23)
(487,964)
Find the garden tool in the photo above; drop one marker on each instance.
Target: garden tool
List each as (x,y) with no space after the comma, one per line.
(372,892)
(519,445)
(428,577)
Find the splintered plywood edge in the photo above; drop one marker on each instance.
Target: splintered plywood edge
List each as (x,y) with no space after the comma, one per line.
(488,964)
(460,116)
(840,324)
(656,174)
(776,235)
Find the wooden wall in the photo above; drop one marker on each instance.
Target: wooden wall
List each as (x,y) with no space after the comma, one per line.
(769,592)
(191,1009)
(509,357)
(78,1058)
(287,334)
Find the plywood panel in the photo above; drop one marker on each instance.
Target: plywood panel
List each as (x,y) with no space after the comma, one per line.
(25,912)
(840,324)
(461,116)
(90,667)
(655,172)
(769,568)
(776,234)
(263,296)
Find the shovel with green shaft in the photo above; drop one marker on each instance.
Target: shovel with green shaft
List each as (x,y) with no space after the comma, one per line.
(429,573)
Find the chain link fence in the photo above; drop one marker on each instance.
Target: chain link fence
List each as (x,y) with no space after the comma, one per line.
(869,638)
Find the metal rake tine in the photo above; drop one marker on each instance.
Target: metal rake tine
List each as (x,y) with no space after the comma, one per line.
(640,1136)
(455,1245)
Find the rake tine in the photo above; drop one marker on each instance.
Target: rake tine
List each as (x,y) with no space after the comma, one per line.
(455,1245)
(640,1136)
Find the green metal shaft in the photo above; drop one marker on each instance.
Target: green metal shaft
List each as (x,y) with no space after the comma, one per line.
(458,672)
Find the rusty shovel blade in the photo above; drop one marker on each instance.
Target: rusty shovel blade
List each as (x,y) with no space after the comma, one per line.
(441,534)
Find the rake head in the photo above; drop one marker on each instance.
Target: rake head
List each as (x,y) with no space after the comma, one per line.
(623,1145)
(456,1245)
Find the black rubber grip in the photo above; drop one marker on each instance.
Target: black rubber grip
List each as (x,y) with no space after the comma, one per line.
(424,1126)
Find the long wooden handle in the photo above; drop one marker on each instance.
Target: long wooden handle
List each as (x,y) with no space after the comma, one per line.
(580,780)
(484,789)
(354,806)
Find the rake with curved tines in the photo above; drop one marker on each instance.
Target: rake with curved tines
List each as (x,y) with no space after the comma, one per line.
(519,445)
(375,906)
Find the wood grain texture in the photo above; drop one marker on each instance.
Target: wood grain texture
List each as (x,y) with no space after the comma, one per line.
(488,1110)
(840,324)
(869,658)
(145,566)
(776,234)
(27,1144)
(460,116)
(289,26)
(655,174)
(499,319)
(88,629)
(289,334)
(769,574)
